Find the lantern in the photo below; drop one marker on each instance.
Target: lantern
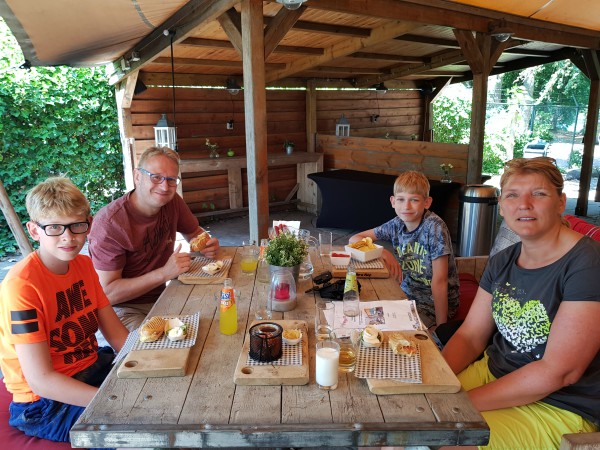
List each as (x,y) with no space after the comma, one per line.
(342,128)
(165,133)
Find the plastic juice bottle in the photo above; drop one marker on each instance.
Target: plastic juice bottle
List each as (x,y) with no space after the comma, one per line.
(228,309)
(351,298)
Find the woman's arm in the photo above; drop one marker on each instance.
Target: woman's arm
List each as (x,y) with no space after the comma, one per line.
(573,342)
(439,289)
(471,339)
(46,382)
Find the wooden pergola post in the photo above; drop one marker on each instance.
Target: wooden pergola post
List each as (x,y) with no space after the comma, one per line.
(255,107)
(13,222)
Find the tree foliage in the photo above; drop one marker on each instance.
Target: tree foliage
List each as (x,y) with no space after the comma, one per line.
(55,121)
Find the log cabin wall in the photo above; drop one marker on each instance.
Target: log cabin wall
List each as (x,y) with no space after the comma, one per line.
(396,114)
(204,113)
(392,156)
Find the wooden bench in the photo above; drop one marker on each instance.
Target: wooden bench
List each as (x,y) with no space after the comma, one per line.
(580,441)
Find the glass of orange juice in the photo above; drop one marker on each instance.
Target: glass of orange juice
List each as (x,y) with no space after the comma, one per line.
(250,253)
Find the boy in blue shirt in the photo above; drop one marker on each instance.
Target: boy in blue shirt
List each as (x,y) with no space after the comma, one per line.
(422,244)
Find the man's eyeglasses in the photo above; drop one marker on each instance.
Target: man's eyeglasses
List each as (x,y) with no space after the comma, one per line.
(157,179)
(57,229)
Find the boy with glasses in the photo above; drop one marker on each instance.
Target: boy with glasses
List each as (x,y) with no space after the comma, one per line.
(133,238)
(51,305)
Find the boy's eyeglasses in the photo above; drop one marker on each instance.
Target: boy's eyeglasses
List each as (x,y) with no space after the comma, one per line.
(157,178)
(57,229)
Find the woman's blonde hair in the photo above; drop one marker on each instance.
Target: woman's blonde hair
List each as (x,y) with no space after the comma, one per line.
(542,165)
(54,197)
(158,151)
(412,182)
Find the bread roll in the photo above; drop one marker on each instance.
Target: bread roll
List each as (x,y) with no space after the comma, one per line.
(152,330)
(402,345)
(199,242)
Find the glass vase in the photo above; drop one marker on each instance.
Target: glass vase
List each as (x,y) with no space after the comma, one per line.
(446,178)
(214,153)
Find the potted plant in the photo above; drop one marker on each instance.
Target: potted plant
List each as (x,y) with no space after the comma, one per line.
(213,147)
(286,250)
(289,146)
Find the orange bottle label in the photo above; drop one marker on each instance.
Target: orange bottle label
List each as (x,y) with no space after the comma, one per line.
(227,299)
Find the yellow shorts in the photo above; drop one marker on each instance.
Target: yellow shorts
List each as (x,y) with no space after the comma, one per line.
(537,426)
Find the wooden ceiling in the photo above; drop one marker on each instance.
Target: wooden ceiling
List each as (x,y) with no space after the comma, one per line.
(349,43)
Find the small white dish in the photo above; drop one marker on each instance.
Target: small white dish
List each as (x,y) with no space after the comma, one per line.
(291,340)
(365,256)
(340,260)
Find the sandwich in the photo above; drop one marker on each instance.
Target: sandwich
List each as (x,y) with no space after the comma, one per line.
(213,267)
(152,329)
(402,345)
(199,242)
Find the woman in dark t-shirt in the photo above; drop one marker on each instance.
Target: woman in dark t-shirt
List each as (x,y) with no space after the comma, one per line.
(540,299)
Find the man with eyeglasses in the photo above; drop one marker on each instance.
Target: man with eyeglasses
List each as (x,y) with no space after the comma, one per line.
(132,240)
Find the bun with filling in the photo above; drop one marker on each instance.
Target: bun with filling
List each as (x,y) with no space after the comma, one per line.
(199,242)
(152,330)
(402,345)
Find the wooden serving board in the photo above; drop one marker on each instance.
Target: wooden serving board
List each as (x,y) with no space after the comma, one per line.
(269,374)
(437,375)
(361,272)
(168,362)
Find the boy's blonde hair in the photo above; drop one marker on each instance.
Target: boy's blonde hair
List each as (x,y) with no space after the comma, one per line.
(158,151)
(412,182)
(57,196)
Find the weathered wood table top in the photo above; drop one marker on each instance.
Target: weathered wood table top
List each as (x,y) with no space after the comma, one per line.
(206,409)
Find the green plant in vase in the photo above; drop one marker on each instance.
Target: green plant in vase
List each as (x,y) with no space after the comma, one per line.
(289,147)
(286,250)
(213,147)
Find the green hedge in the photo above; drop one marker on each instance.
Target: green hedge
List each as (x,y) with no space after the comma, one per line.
(56,121)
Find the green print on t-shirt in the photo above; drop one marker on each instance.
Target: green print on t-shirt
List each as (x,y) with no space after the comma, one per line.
(526,326)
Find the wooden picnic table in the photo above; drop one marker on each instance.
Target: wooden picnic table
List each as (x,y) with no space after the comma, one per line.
(205,408)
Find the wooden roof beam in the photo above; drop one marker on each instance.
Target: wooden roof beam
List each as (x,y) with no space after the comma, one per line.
(347,47)
(464,17)
(211,63)
(324,28)
(387,57)
(192,14)
(279,26)
(231,22)
(217,43)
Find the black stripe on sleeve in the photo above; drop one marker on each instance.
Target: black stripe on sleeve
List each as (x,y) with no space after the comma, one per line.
(28,314)
(24,328)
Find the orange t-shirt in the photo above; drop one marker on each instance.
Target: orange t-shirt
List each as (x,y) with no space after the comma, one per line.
(37,305)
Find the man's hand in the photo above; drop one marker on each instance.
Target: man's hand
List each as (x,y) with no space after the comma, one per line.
(177,264)
(212,248)
(392,264)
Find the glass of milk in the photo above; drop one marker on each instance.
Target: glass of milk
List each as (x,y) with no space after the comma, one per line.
(328,361)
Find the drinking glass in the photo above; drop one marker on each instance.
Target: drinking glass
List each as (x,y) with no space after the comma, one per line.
(250,253)
(348,340)
(325,241)
(328,357)
(324,319)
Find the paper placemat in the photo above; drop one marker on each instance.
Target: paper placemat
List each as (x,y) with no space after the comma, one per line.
(291,356)
(164,342)
(199,262)
(382,363)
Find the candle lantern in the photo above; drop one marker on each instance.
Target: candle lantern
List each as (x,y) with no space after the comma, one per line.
(282,292)
(165,133)
(342,127)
